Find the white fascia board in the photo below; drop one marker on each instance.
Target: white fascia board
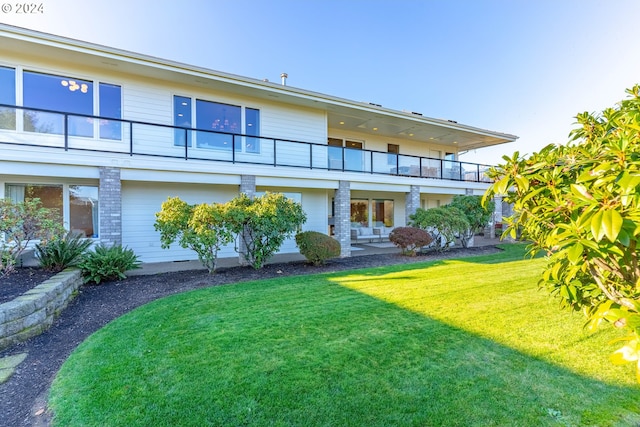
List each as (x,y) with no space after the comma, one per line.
(205,73)
(48,170)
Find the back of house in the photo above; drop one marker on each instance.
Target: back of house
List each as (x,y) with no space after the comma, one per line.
(105,136)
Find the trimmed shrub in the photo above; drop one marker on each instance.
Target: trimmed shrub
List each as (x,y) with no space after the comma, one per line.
(410,239)
(108,263)
(58,254)
(317,247)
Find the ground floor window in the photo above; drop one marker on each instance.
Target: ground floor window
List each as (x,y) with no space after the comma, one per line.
(382,213)
(77,205)
(359,213)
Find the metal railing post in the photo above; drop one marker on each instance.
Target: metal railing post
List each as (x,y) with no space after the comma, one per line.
(66,132)
(131,138)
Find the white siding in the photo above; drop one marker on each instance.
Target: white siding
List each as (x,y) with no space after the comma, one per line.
(141,201)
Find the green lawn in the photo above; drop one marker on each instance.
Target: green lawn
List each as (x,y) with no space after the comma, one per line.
(468,342)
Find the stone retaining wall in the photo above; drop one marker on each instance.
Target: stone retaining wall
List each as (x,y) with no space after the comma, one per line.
(34,311)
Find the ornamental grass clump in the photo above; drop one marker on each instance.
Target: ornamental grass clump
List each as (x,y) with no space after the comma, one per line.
(317,247)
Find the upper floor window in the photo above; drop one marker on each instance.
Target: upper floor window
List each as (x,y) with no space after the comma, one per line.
(111,107)
(213,116)
(74,96)
(182,118)
(58,93)
(7,96)
(220,126)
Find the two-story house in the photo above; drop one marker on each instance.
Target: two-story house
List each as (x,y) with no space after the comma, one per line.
(105,136)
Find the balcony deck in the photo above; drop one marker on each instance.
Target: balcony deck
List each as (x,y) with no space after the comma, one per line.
(46,128)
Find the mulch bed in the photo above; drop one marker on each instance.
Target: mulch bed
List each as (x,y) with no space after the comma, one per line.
(20,281)
(23,397)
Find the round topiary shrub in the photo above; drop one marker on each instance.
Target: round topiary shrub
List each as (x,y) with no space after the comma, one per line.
(410,239)
(317,247)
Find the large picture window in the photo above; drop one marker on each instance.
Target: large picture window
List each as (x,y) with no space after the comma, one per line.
(7,96)
(82,215)
(218,125)
(58,93)
(213,116)
(74,96)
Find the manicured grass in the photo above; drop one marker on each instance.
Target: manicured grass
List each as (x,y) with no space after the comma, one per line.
(454,343)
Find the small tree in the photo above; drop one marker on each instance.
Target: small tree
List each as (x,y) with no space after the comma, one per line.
(444,224)
(202,228)
(22,223)
(410,239)
(263,224)
(580,204)
(477,214)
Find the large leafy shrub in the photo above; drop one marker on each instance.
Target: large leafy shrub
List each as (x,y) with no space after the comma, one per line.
(106,263)
(317,247)
(60,253)
(410,239)
(22,223)
(580,205)
(263,223)
(444,223)
(477,214)
(203,228)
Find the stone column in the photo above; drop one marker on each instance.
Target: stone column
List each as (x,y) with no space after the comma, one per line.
(497,215)
(110,210)
(342,217)
(248,187)
(412,202)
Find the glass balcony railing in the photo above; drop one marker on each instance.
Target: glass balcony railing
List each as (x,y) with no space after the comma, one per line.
(37,127)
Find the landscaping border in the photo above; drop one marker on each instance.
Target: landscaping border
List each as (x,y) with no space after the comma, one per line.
(34,311)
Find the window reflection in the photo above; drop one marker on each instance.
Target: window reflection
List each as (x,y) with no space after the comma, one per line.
(182,118)
(252,128)
(83,210)
(217,117)
(57,93)
(111,107)
(83,203)
(7,96)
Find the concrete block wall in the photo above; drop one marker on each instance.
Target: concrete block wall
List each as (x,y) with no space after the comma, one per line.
(34,311)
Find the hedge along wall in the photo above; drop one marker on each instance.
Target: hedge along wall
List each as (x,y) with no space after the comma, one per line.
(34,311)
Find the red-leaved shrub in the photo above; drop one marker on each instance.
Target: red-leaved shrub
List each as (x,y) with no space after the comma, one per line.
(410,239)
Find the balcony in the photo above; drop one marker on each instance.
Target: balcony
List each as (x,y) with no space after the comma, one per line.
(46,128)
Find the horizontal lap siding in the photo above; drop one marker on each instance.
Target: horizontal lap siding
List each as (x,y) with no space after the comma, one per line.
(141,201)
(296,124)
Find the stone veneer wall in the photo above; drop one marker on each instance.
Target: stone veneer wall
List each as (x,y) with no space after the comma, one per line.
(342,217)
(34,311)
(110,206)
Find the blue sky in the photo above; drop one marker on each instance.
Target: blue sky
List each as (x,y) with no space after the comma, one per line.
(514,66)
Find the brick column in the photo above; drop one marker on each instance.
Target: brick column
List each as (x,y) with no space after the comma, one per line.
(110,210)
(248,187)
(342,217)
(412,202)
